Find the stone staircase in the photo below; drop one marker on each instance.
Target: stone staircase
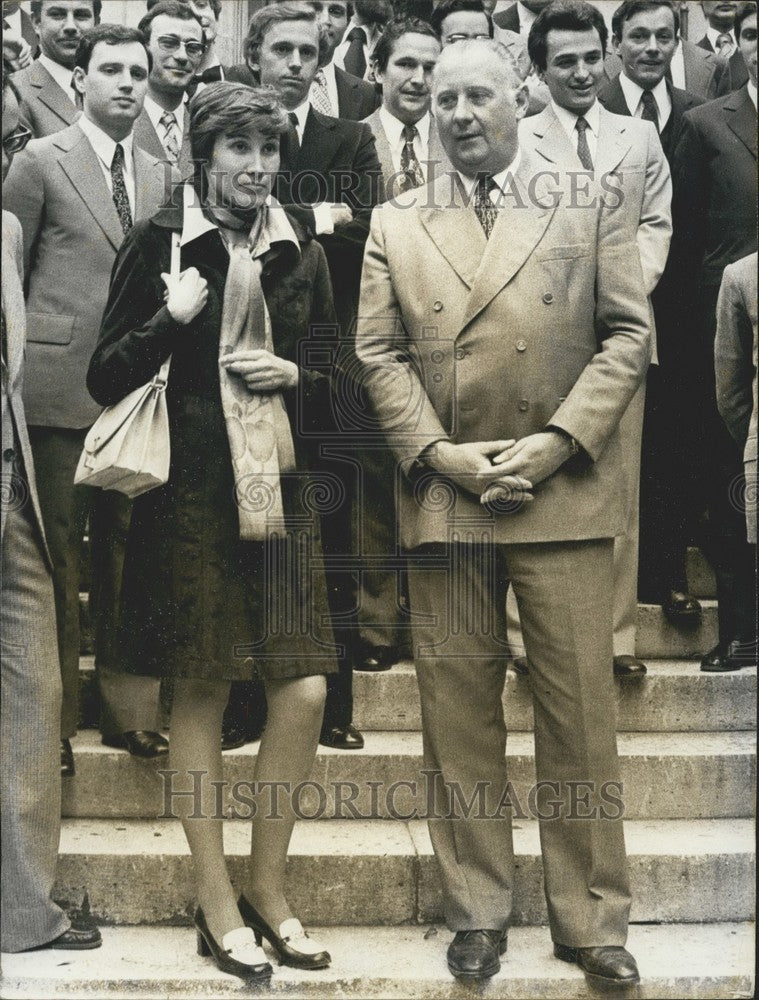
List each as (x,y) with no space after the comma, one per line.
(363,875)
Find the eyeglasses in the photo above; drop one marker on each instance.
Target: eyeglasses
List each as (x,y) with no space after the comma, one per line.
(18,138)
(170,43)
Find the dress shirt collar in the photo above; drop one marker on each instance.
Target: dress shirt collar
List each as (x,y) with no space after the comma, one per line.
(633,94)
(154,112)
(526,18)
(568,119)
(104,145)
(394,128)
(677,67)
(501,179)
(61,74)
(752,93)
(277,227)
(712,34)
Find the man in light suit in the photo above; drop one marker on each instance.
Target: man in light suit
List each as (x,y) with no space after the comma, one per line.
(47,97)
(30,781)
(567,44)
(501,405)
(715,182)
(76,193)
(176,44)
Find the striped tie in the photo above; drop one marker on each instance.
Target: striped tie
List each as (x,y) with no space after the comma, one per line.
(169,122)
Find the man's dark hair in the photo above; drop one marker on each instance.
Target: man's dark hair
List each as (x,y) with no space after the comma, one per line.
(216,4)
(413,8)
(744,11)
(36,8)
(111,34)
(629,8)
(563,15)
(447,7)
(395,30)
(172,8)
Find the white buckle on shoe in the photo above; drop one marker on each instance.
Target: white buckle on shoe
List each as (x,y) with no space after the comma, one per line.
(240,944)
(291,931)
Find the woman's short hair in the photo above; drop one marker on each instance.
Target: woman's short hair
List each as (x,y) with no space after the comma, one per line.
(227,108)
(277,13)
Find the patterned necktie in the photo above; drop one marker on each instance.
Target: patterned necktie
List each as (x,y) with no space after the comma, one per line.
(169,141)
(649,111)
(293,133)
(355,60)
(725,45)
(120,197)
(413,176)
(583,149)
(484,208)
(320,95)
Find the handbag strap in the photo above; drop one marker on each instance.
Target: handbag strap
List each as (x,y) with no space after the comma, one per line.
(162,377)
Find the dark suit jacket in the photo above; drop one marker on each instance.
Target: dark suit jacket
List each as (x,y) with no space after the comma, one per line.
(508,19)
(715,188)
(336,162)
(612,97)
(44,106)
(735,76)
(146,137)
(704,70)
(29,35)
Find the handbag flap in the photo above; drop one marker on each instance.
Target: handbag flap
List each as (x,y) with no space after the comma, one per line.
(113,418)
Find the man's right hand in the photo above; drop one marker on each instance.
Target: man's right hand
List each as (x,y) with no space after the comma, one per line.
(341,215)
(16,51)
(187,295)
(470,465)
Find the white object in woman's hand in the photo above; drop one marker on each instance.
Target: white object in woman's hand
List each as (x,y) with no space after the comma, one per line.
(187,295)
(261,370)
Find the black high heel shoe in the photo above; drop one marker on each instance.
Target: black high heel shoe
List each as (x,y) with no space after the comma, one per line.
(293,945)
(251,965)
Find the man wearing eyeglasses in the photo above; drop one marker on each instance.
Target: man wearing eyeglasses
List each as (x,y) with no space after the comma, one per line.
(174,34)
(45,88)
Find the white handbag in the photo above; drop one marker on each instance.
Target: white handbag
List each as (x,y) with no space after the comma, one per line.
(127,448)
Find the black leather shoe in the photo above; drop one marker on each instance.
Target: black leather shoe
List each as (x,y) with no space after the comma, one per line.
(681,609)
(293,945)
(521,666)
(67,760)
(233,736)
(238,953)
(629,666)
(476,954)
(604,966)
(81,936)
(139,743)
(727,656)
(342,738)
(376,658)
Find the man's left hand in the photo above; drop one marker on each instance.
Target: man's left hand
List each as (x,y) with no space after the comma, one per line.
(535,457)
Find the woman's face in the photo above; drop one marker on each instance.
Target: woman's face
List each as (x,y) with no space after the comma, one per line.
(242,169)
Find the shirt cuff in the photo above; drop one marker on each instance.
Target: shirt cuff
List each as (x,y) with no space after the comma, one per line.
(323,219)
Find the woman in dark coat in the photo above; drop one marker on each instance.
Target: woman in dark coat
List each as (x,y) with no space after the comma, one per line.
(219,578)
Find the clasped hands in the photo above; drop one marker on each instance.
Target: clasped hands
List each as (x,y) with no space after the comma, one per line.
(261,370)
(501,470)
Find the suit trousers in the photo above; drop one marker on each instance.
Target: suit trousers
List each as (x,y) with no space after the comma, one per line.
(30,799)
(626,544)
(130,701)
(564,593)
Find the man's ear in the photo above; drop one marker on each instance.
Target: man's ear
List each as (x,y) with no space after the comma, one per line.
(521,101)
(77,80)
(615,45)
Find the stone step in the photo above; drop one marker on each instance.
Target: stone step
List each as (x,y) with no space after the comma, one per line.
(378,872)
(676,962)
(664,776)
(675,696)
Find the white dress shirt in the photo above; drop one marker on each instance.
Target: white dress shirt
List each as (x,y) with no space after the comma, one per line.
(371,37)
(677,68)
(752,93)
(322,212)
(61,74)
(633,99)
(568,121)
(105,147)
(394,134)
(154,112)
(331,81)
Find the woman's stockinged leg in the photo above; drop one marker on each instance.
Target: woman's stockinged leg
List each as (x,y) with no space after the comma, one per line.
(196,717)
(287,753)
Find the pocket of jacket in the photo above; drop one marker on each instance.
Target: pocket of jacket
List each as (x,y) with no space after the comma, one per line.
(46,328)
(568,252)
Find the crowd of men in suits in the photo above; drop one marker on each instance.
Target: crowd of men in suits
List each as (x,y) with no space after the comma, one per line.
(672,122)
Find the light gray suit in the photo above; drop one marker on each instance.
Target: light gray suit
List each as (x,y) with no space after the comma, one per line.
(467,339)
(629,157)
(44,106)
(30,800)
(71,235)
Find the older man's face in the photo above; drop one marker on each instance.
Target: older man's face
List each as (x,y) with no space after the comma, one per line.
(477,112)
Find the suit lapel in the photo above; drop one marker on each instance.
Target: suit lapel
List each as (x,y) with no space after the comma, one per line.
(613,141)
(454,229)
(346,94)
(551,141)
(82,167)
(146,136)
(13,311)
(612,97)
(740,115)
(51,95)
(317,143)
(148,183)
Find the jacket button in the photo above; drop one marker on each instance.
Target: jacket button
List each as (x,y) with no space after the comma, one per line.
(8,455)
(524,405)
(548,298)
(460,354)
(437,306)
(521,345)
